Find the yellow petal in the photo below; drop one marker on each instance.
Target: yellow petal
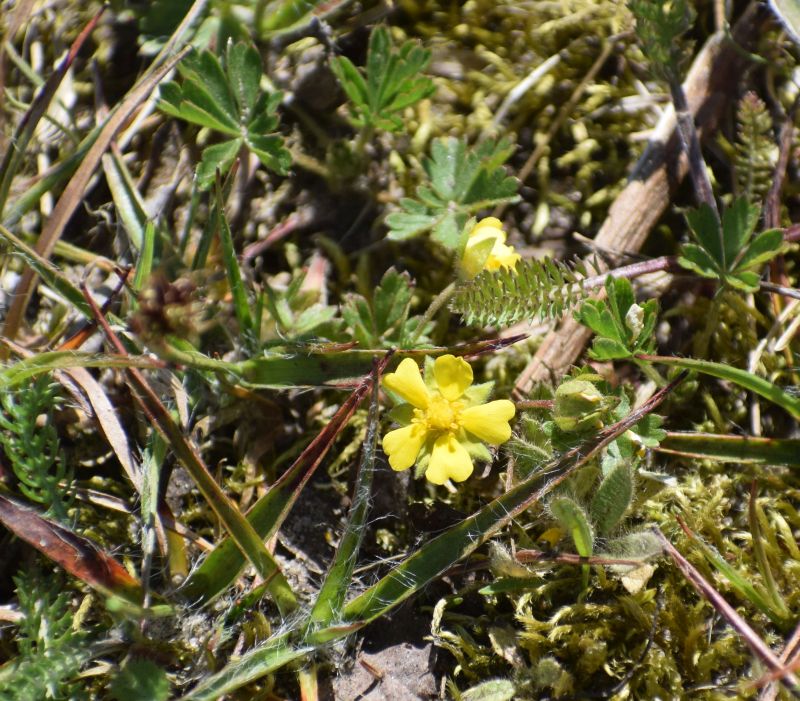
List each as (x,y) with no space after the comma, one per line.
(449,460)
(489,226)
(407,382)
(453,375)
(502,256)
(403,445)
(489,422)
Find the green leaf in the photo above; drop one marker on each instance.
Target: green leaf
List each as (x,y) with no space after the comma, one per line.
(706,228)
(351,79)
(744,281)
(241,306)
(128,202)
(622,327)
(741,252)
(573,519)
(228,101)
(612,499)
(738,224)
(393,81)
(696,259)
(459,184)
(491,690)
(243,67)
(765,246)
(383,322)
(144,266)
(140,680)
(407,225)
(253,665)
(270,151)
(728,448)
(330,600)
(219,157)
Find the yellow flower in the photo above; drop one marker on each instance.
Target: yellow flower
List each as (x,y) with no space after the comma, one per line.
(444,419)
(486,249)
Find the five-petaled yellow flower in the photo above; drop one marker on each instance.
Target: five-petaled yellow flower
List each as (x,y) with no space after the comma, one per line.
(486,249)
(444,419)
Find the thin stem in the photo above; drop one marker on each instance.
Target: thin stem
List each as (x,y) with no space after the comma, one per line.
(439,301)
(691,144)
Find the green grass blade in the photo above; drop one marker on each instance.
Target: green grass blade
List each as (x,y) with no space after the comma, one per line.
(56,175)
(145,265)
(724,448)
(127,200)
(330,599)
(16,373)
(240,304)
(239,529)
(248,668)
(224,563)
(747,380)
(738,581)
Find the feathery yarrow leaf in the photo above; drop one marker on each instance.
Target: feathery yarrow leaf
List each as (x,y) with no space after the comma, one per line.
(535,288)
(756,151)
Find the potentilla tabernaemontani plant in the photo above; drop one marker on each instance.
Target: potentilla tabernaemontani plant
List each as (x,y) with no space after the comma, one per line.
(486,249)
(445,419)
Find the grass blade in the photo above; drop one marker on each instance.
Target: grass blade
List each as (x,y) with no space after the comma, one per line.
(15,374)
(747,380)
(73,193)
(251,666)
(128,201)
(234,274)
(331,596)
(239,529)
(223,565)
(725,448)
(18,144)
(52,276)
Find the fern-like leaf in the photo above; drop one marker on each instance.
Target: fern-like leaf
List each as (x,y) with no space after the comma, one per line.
(51,651)
(535,288)
(33,449)
(756,151)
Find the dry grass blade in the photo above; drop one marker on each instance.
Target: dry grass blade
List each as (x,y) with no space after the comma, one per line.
(754,642)
(110,425)
(73,193)
(27,125)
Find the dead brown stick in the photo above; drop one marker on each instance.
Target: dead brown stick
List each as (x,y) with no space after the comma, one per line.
(710,85)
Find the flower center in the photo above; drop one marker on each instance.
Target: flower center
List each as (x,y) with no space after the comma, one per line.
(441,414)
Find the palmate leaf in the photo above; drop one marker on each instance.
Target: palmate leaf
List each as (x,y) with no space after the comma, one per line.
(382,321)
(460,182)
(728,251)
(393,81)
(228,100)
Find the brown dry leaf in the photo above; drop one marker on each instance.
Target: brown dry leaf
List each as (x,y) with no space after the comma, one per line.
(79,556)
